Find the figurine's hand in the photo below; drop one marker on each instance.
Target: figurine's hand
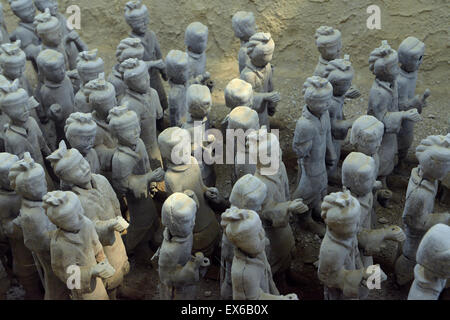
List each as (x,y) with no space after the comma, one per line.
(200,260)
(159,64)
(413,115)
(297,207)
(291,296)
(353,93)
(55,112)
(273,97)
(73,36)
(206,76)
(119,224)
(212,194)
(395,233)
(157,175)
(103,270)
(377,185)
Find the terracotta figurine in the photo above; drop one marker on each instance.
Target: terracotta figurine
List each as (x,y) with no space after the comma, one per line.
(244,26)
(178,74)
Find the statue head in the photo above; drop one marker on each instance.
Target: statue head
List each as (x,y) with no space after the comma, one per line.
(317,93)
(125,126)
(328,42)
(7,160)
(359,173)
(14,101)
(260,49)
(135,75)
(177,66)
(238,93)
(12,60)
(410,54)
(48,28)
(244,25)
(196,37)
(23,9)
(137,16)
(339,73)
(52,5)
(248,193)
(27,178)
(175,146)
(243,118)
(101,96)
(130,48)
(433,154)
(366,134)
(383,62)
(198,101)
(89,65)
(64,210)
(70,166)
(178,214)
(80,130)
(51,64)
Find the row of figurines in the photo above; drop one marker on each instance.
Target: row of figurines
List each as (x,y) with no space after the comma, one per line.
(258,53)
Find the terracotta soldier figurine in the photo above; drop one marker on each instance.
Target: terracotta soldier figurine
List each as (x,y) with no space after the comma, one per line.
(314,147)
(81,132)
(28,180)
(250,273)
(410,56)
(244,26)
(4,35)
(196,41)
(418,217)
(186,175)
(131,177)
(75,245)
(259,73)
(432,270)
(329,44)
(238,93)
(23,264)
(340,267)
(25,31)
(383,105)
(57,97)
(142,99)
(179,271)
(178,73)
(128,48)
(12,63)
(198,103)
(100,205)
(339,73)
(138,18)
(89,67)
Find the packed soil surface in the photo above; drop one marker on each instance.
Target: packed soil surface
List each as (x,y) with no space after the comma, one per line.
(292,24)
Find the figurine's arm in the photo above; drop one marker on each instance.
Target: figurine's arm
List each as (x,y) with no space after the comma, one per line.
(371,240)
(339,128)
(330,156)
(278,213)
(74,37)
(432,219)
(182,274)
(272,106)
(303,139)
(259,97)
(425,285)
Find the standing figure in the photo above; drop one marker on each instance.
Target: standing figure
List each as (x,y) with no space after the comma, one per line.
(259,73)
(418,217)
(198,103)
(4,35)
(13,63)
(251,276)
(196,41)
(131,177)
(183,173)
(22,260)
(89,67)
(75,246)
(314,147)
(432,270)
(57,97)
(138,18)
(28,180)
(340,267)
(127,49)
(25,31)
(244,26)
(80,132)
(339,73)
(383,105)
(178,73)
(100,205)
(142,99)
(179,271)
(410,56)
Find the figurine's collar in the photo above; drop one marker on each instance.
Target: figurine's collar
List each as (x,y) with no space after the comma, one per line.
(28,26)
(348,243)
(258,259)
(258,70)
(195,56)
(69,236)
(19,130)
(409,75)
(387,85)
(171,238)
(128,151)
(31,204)
(53,85)
(323,61)
(309,115)
(179,167)
(418,180)
(101,123)
(135,35)
(136,95)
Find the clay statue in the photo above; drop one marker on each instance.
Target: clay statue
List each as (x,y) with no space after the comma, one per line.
(23,264)
(4,35)
(245,121)
(178,73)
(198,103)
(131,177)
(12,63)
(142,99)
(383,105)
(28,180)
(244,26)
(56,94)
(418,217)
(251,276)
(339,73)
(75,246)
(25,31)
(185,174)
(72,42)
(81,131)
(329,44)
(89,67)
(138,18)
(259,73)
(340,267)
(432,270)
(314,147)
(359,177)
(100,205)
(410,56)
(179,271)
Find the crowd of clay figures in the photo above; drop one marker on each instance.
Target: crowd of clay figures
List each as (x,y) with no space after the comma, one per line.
(88,183)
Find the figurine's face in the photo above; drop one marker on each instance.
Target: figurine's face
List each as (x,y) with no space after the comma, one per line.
(389,71)
(20,113)
(412,62)
(331,52)
(341,86)
(363,183)
(129,136)
(71,223)
(261,59)
(53,38)
(81,142)
(56,73)
(13,72)
(35,187)
(436,169)
(26,14)
(140,26)
(318,106)
(41,5)
(369,147)
(80,175)
(139,83)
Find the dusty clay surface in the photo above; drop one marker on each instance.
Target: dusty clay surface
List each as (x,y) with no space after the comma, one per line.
(292,24)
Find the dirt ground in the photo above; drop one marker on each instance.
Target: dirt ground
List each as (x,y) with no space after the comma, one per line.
(292,23)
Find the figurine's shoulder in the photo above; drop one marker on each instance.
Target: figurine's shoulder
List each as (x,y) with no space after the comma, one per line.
(305,127)
(248,75)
